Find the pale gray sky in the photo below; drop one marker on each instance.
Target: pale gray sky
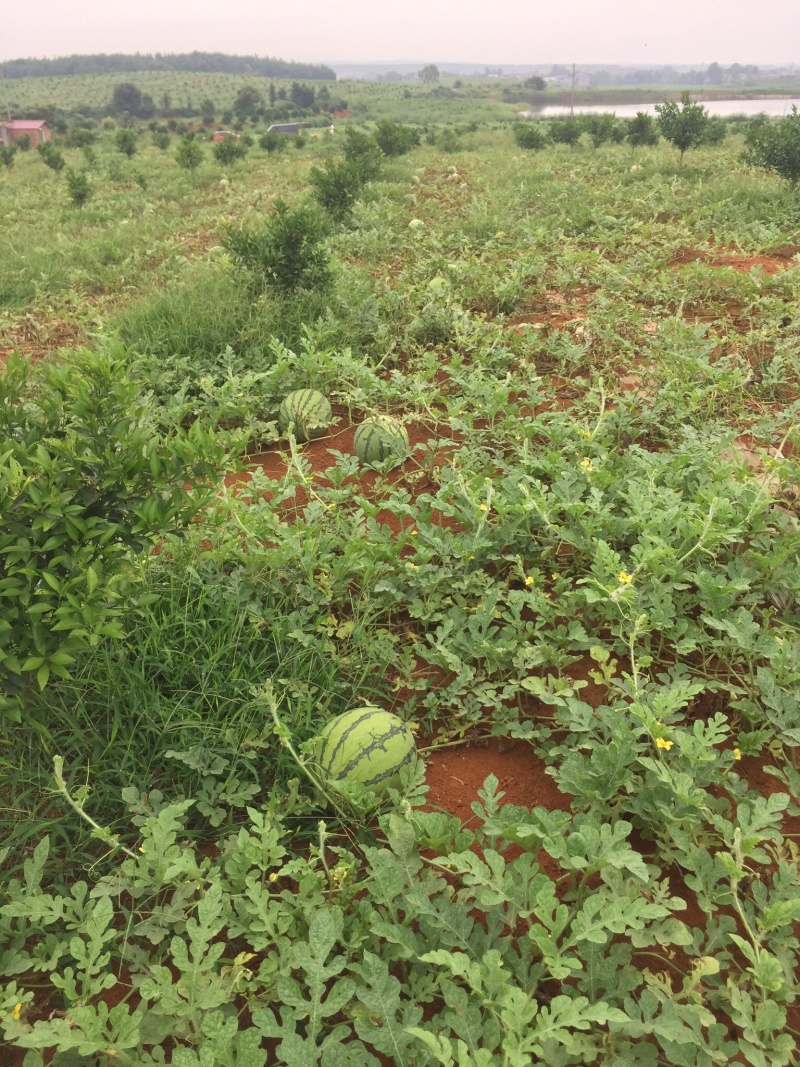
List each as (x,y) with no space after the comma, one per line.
(484,31)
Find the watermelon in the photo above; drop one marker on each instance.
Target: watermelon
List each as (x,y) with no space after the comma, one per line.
(307,411)
(380,438)
(367,745)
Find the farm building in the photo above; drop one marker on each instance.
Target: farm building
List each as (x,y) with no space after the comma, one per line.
(13,129)
(286,127)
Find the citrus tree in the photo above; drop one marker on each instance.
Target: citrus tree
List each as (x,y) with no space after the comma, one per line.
(776,146)
(87,481)
(683,125)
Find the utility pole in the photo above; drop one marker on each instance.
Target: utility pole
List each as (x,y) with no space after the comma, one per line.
(572,95)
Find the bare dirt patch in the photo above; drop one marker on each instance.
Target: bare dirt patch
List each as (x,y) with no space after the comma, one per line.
(771,262)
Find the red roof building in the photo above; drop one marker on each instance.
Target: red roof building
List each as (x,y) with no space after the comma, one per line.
(13,129)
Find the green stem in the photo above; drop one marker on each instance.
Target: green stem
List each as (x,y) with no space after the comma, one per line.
(102,831)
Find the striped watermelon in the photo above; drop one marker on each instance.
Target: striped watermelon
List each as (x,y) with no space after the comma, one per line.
(380,438)
(307,411)
(366,745)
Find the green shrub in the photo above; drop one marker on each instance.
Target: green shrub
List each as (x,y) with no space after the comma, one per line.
(51,156)
(229,150)
(288,254)
(716,130)
(86,482)
(775,146)
(188,154)
(565,131)
(125,140)
(271,142)
(528,135)
(363,154)
(78,187)
(7,157)
(336,186)
(642,131)
(685,126)
(395,139)
(161,140)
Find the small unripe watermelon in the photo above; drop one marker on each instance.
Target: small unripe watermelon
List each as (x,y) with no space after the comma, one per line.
(380,438)
(366,745)
(309,411)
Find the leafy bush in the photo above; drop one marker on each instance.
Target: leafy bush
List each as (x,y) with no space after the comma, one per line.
(188,154)
(686,125)
(125,140)
(529,135)
(338,185)
(161,140)
(272,142)
(288,254)
(51,156)
(7,157)
(23,144)
(363,154)
(716,130)
(600,127)
(642,131)
(86,482)
(229,150)
(395,139)
(78,187)
(775,146)
(565,131)
(80,136)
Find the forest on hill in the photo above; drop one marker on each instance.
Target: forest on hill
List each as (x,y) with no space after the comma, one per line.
(195,62)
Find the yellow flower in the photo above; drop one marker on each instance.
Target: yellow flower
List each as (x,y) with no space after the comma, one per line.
(587,465)
(554,576)
(273,877)
(15,1014)
(529,580)
(413,533)
(737,754)
(483,507)
(331,505)
(625,578)
(661,743)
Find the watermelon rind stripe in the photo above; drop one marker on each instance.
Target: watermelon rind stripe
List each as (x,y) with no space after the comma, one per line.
(390,772)
(328,759)
(379,742)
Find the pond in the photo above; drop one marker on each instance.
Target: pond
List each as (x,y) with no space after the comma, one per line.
(775,107)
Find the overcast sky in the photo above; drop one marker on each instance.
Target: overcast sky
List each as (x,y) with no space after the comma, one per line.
(482,31)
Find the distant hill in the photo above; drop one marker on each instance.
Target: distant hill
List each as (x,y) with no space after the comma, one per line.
(192,62)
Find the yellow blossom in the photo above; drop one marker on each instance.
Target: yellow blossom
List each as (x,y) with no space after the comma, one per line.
(273,877)
(413,533)
(661,743)
(483,507)
(587,465)
(529,580)
(625,578)
(15,1014)
(737,754)
(554,576)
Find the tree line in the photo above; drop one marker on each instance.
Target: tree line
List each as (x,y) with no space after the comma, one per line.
(192,62)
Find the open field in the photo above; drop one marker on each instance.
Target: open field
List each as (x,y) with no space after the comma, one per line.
(581,587)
